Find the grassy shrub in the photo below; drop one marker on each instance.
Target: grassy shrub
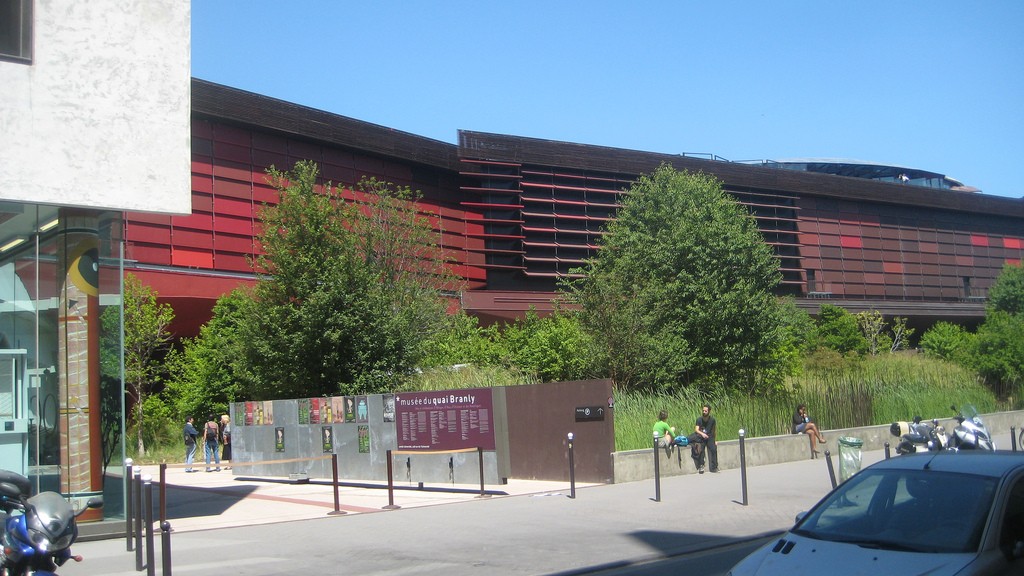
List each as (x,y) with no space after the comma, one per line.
(465,376)
(164,443)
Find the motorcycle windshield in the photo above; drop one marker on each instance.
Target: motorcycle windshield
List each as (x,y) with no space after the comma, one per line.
(970,413)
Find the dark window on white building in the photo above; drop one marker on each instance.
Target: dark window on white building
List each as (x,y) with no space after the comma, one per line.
(16,30)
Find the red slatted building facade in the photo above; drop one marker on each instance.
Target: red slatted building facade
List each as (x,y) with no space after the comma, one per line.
(517,213)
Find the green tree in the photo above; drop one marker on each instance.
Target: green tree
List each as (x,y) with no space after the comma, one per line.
(880,335)
(351,293)
(797,338)
(900,334)
(998,351)
(680,292)
(207,373)
(1007,292)
(111,392)
(798,325)
(872,325)
(146,341)
(838,330)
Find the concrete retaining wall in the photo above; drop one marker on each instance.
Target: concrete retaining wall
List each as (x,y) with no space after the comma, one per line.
(633,465)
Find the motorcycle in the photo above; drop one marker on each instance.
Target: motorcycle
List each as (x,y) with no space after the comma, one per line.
(970,432)
(918,436)
(37,531)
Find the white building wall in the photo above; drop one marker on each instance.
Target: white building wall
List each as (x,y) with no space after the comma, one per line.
(100,118)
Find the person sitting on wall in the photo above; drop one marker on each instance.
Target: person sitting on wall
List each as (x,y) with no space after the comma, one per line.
(666,434)
(802,424)
(702,441)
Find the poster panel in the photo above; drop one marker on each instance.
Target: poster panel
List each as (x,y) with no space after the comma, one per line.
(364,439)
(338,409)
(314,411)
(445,420)
(327,437)
(279,439)
(362,409)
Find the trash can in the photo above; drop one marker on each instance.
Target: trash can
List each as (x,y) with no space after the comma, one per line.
(849,457)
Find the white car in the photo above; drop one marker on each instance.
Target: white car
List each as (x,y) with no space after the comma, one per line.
(936,513)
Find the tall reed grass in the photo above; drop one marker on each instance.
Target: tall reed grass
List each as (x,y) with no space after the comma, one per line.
(876,390)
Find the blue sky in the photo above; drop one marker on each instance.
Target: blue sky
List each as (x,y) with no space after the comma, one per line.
(935,85)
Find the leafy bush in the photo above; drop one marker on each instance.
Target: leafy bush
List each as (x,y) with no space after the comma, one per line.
(553,347)
(461,341)
(946,341)
(828,360)
(1007,293)
(998,351)
(838,329)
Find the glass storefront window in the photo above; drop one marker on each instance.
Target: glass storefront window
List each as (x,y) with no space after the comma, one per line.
(60,269)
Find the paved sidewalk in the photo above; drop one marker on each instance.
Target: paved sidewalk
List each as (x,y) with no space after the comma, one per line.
(231,524)
(229,497)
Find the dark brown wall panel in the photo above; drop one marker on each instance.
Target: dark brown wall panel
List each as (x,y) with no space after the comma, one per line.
(542,416)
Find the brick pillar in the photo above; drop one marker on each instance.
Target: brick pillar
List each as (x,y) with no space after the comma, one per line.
(81,455)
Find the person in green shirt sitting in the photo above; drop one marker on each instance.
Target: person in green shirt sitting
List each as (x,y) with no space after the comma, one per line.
(666,434)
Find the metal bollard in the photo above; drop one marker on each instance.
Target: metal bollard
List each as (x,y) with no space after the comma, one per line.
(480,461)
(128,479)
(163,491)
(391,485)
(886,450)
(147,482)
(1013,438)
(572,471)
(743,465)
(138,519)
(337,499)
(831,471)
(165,547)
(657,471)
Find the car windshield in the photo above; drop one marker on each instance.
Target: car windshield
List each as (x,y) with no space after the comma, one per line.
(916,510)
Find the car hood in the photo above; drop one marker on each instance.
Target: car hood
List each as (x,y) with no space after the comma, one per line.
(792,554)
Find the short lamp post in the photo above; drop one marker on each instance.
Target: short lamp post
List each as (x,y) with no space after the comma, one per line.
(572,470)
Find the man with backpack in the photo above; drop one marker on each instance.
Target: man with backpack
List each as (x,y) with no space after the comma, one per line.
(211,433)
(190,434)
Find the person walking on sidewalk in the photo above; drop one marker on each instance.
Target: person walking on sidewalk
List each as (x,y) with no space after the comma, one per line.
(704,435)
(225,439)
(211,432)
(190,434)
